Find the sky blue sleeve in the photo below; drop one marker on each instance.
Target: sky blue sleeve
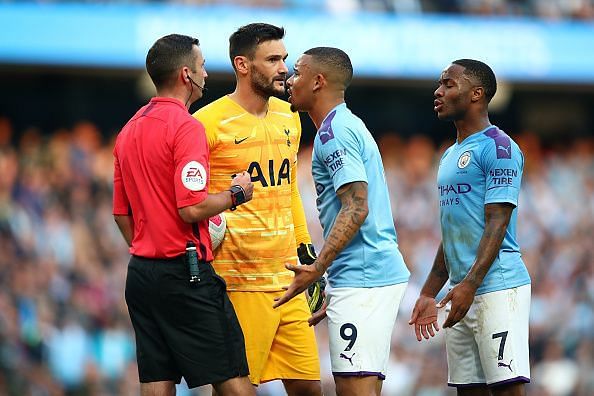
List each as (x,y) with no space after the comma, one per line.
(342,156)
(503,164)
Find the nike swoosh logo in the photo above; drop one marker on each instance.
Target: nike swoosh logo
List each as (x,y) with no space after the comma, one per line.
(237,141)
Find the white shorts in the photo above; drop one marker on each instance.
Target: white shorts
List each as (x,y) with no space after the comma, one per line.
(360,324)
(490,344)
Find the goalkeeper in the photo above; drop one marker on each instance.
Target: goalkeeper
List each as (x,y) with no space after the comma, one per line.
(253,129)
(365,268)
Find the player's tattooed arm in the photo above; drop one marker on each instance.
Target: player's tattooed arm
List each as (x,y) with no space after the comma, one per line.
(352,214)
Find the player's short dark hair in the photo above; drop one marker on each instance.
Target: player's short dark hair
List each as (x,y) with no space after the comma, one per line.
(335,61)
(482,73)
(245,40)
(167,55)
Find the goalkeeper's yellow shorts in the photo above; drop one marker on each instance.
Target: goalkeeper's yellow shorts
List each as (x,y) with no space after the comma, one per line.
(279,343)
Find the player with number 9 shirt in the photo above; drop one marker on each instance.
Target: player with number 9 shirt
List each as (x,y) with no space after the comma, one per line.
(365,268)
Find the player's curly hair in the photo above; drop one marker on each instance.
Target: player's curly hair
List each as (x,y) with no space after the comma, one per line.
(482,73)
(335,61)
(245,40)
(167,55)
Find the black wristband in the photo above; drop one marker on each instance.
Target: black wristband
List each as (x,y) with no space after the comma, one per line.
(237,196)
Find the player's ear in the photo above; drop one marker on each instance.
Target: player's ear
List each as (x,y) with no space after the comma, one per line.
(477,94)
(319,81)
(241,64)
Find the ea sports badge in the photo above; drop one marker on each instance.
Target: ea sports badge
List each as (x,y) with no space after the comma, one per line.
(193,176)
(464,160)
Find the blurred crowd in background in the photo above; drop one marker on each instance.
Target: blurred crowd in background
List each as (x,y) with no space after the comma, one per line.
(547,9)
(64,327)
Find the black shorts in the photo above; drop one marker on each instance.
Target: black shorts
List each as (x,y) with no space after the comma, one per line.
(182,330)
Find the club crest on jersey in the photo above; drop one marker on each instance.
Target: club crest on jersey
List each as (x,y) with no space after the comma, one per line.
(193,176)
(464,160)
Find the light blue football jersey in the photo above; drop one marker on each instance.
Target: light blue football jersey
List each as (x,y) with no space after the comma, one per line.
(344,152)
(484,168)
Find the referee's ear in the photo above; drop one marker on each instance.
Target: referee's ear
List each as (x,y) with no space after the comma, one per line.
(185,75)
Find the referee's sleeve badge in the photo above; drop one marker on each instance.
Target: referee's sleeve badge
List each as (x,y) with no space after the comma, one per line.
(193,176)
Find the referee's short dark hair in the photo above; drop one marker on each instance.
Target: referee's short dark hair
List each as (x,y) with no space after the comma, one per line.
(167,55)
(482,73)
(245,40)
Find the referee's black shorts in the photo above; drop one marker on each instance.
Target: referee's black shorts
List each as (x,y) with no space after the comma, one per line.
(183,330)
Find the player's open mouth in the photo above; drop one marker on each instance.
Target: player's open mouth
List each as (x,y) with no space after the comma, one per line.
(437,105)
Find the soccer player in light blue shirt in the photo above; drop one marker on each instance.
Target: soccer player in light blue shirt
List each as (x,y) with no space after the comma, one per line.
(345,152)
(485,168)
(488,303)
(365,268)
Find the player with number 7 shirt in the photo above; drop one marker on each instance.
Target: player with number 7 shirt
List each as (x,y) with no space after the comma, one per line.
(488,304)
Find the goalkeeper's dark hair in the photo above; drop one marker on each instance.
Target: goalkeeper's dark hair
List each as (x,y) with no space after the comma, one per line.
(334,62)
(482,73)
(168,55)
(245,40)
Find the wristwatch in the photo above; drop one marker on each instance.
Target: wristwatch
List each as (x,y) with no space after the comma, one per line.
(237,196)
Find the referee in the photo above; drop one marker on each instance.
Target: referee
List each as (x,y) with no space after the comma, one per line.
(161,205)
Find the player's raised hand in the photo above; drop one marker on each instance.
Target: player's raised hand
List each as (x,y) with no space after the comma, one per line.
(461,297)
(305,275)
(317,316)
(244,180)
(424,318)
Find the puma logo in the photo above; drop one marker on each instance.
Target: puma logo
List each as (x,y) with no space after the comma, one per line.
(287,132)
(325,136)
(350,359)
(502,364)
(237,141)
(506,149)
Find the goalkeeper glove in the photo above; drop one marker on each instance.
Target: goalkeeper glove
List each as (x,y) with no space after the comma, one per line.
(314,294)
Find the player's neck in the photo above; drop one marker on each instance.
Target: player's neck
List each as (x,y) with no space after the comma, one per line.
(322,108)
(466,127)
(250,101)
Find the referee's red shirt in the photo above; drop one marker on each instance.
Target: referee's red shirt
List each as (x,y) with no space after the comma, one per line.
(161,164)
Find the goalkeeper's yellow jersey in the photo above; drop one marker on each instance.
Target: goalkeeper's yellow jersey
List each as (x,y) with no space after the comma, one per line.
(261,235)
